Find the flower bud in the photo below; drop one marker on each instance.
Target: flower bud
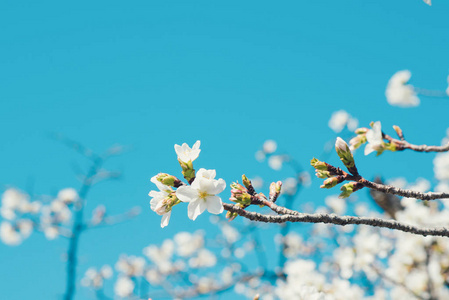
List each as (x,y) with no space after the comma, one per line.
(168,180)
(361,130)
(275,190)
(322,174)
(187,170)
(231,215)
(398,131)
(345,155)
(357,141)
(318,165)
(330,182)
(246,182)
(348,188)
(167,204)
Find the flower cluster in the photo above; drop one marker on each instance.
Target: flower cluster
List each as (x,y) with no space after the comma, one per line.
(22,216)
(200,191)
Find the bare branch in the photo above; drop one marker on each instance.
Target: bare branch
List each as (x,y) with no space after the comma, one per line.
(334,219)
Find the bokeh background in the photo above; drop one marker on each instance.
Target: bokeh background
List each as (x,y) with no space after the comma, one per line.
(149,74)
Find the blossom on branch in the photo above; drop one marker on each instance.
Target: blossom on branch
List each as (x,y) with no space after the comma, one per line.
(374,138)
(162,201)
(186,154)
(201,195)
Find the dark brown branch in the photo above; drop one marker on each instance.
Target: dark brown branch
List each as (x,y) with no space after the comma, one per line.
(334,219)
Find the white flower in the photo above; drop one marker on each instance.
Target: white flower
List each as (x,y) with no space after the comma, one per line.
(399,93)
(338,120)
(9,235)
(428,2)
(201,195)
(68,195)
(374,138)
(204,259)
(158,203)
(14,234)
(275,162)
(269,146)
(124,287)
(336,204)
(187,244)
(441,166)
(186,154)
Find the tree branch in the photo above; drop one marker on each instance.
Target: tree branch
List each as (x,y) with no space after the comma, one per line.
(334,219)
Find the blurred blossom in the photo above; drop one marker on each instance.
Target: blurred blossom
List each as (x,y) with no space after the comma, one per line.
(9,234)
(230,233)
(14,201)
(161,256)
(275,162)
(441,166)
(68,195)
(260,156)
(51,232)
(305,178)
(399,182)
(269,146)
(203,259)
(187,244)
(420,185)
(294,244)
(289,186)
(337,205)
(340,119)
(130,265)
(399,93)
(124,287)
(98,214)
(94,279)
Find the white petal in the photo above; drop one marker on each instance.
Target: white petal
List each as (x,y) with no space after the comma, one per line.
(197,145)
(154,202)
(214,205)
(209,174)
(219,186)
(368,149)
(165,219)
(186,193)
(196,208)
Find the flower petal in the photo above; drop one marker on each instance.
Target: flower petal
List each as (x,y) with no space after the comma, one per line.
(219,186)
(165,219)
(214,205)
(196,208)
(186,193)
(368,149)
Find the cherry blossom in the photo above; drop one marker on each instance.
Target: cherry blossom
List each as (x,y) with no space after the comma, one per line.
(201,195)
(186,154)
(374,138)
(160,201)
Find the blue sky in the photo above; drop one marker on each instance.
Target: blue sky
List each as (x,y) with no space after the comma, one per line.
(149,74)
